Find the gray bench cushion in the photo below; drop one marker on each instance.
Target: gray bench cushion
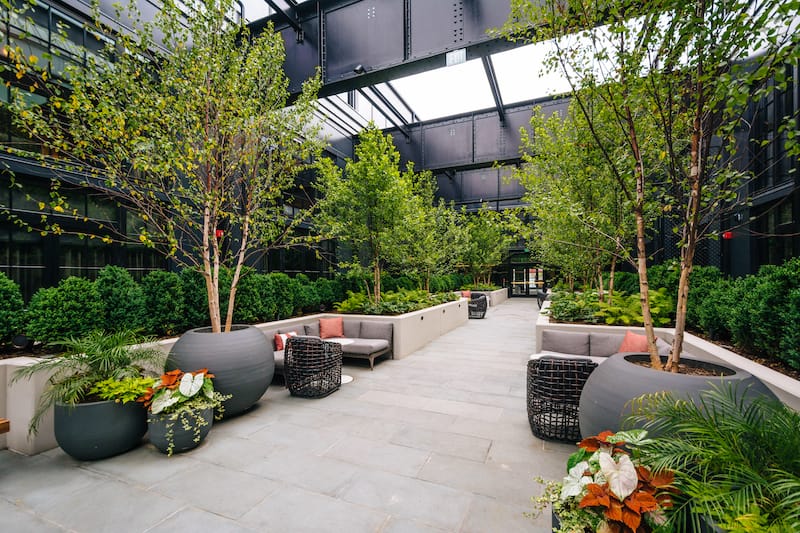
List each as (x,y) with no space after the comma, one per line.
(575,343)
(604,344)
(376,330)
(365,346)
(351,328)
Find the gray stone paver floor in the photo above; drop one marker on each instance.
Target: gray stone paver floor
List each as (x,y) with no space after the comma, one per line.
(437,441)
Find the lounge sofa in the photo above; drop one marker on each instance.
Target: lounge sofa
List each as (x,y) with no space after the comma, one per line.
(362,339)
(556,375)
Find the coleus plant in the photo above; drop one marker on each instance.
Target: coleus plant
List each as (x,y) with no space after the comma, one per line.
(608,490)
(178,389)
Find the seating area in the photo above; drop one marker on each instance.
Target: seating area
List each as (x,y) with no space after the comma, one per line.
(478,303)
(436,441)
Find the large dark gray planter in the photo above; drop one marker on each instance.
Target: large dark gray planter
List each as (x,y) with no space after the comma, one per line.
(605,400)
(241,361)
(170,436)
(92,431)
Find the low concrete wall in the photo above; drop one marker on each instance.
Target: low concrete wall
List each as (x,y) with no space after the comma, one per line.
(784,387)
(18,403)
(495,297)
(411,331)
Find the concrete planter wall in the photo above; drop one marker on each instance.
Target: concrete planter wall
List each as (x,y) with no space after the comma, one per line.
(18,403)
(495,297)
(411,332)
(785,388)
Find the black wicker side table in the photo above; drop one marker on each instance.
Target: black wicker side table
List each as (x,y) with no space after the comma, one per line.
(312,367)
(554,392)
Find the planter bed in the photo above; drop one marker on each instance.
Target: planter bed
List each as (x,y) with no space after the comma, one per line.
(785,388)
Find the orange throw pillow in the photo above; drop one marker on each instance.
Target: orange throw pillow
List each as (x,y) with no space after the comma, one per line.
(331,327)
(633,343)
(281,338)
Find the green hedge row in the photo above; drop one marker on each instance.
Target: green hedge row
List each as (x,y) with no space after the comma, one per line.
(759,313)
(163,303)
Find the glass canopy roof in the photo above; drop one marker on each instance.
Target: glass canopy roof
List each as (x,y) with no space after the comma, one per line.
(441,92)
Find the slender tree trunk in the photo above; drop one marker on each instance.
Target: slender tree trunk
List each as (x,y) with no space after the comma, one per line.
(376,278)
(600,293)
(611,276)
(212,289)
(641,251)
(237,272)
(690,231)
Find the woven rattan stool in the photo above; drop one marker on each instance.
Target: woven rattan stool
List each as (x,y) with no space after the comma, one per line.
(477,306)
(312,367)
(554,392)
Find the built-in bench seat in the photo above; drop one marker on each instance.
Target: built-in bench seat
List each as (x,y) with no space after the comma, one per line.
(363,339)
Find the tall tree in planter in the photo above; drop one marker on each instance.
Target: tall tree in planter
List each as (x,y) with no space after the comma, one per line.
(689,65)
(365,203)
(489,235)
(582,223)
(431,237)
(184,121)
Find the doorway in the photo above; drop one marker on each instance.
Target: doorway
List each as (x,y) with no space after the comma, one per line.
(526,280)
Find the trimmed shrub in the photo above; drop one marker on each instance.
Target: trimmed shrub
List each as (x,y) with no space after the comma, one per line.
(714,310)
(12,308)
(195,299)
(701,283)
(790,342)
(247,308)
(267,304)
(304,294)
(72,309)
(664,276)
(771,303)
(284,297)
(163,294)
(123,299)
(326,290)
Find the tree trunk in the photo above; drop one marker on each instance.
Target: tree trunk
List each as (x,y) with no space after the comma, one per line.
(611,279)
(600,293)
(692,221)
(237,272)
(641,251)
(212,289)
(376,278)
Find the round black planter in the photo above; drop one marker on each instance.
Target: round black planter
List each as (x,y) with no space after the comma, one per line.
(606,396)
(183,440)
(240,361)
(92,431)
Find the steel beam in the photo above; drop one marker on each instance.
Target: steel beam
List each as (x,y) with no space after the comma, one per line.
(488,67)
(388,39)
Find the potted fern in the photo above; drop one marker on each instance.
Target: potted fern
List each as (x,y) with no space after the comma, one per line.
(181,407)
(92,387)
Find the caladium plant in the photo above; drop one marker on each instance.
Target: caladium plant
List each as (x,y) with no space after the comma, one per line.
(607,488)
(177,390)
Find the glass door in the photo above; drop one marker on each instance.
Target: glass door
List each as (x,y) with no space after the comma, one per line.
(526,280)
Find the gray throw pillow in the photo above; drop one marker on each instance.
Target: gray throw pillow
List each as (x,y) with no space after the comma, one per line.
(351,328)
(312,329)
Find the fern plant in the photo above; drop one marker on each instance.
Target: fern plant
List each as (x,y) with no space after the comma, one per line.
(87,361)
(735,458)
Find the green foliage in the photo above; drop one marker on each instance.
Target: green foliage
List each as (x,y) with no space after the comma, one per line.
(715,309)
(479,287)
(124,390)
(268,304)
(71,309)
(626,310)
(326,291)
(248,308)
(88,360)
(195,299)
(163,296)
(627,282)
(12,309)
(489,235)
(284,297)
(567,306)
(703,281)
(393,303)
(735,459)
(664,276)
(162,120)
(306,298)
(123,299)
(366,203)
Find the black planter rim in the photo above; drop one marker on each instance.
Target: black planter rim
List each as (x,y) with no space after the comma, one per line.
(718,369)
(208,329)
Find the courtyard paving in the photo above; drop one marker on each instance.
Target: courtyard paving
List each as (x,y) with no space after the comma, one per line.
(437,441)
